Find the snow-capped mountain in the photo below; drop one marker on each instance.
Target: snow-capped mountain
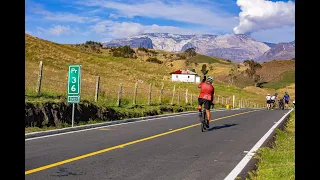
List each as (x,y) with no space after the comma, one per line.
(235,47)
(281,51)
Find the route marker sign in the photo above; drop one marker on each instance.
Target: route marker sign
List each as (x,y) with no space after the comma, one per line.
(74,82)
(74,86)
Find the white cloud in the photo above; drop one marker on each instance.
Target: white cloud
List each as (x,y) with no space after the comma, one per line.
(262,14)
(113,16)
(125,29)
(56,30)
(68,17)
(35,8)
(183,12)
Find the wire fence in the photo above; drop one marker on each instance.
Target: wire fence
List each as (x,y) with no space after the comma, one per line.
(48,84)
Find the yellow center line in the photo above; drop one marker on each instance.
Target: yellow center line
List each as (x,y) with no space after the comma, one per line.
(122,145)
(106,129)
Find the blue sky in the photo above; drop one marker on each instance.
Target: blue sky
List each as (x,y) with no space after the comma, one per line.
(77,21)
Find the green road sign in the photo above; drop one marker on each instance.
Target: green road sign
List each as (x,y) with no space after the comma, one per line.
(74,83)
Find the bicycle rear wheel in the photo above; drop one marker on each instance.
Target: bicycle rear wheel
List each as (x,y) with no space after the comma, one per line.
(203,123)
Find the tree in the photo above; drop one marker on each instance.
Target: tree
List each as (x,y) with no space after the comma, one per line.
(252,67)
(124,51)
(233,74)
(252,70)
(204,69)
(191,52)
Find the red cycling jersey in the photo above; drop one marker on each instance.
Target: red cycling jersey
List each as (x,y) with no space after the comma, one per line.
(207,90)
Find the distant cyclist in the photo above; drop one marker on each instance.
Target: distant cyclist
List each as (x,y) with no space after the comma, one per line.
(286,98)
(206,97)
(293,104)
(273,100)
(268,97)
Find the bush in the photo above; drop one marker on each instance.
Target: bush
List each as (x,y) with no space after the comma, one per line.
(124,51)
(181,56)
(154,60)
(90,46)
(153,52)
(143,49)
(191,52)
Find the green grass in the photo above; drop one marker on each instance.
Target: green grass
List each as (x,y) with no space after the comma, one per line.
(283,80)
(278,162)
(62,125)
(199,58)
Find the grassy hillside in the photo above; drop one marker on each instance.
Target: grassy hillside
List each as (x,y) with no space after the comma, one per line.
(283,80)
(278,74)
(112,72)
(199,58)
(273,69)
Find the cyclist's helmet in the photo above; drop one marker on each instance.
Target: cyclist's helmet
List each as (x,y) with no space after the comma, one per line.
(210,79)
(276,94)
(268,94)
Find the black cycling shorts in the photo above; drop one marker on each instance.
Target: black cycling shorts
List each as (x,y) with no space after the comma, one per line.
(268,101)
(285,101)
(272,101)
(207,103)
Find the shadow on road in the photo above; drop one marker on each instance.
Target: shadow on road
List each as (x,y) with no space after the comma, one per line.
(220,127)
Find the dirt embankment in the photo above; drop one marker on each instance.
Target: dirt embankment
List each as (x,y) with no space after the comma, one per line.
(52,114)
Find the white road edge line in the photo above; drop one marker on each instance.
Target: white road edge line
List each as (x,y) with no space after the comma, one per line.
(235,172)
(29,139)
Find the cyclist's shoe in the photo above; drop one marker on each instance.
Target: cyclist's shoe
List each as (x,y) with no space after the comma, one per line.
(200,113)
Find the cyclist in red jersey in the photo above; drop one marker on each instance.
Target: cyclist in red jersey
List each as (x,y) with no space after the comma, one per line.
(206,96)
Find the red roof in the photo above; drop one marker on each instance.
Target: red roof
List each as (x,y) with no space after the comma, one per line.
(183,72)
(176,72)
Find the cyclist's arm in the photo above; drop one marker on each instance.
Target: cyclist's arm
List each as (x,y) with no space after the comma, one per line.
(212,96)
(204,78)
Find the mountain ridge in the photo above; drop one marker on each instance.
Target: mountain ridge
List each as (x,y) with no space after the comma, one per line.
(280,51)
(235,47)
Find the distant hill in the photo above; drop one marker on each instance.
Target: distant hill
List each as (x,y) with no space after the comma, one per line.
(280,51)
(277,74)
(272,69)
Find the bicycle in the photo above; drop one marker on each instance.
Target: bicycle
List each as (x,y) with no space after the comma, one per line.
(204,121)
(281,104)
(273,105)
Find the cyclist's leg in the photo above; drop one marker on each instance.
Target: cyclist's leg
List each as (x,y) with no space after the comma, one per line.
(200,102)
(207,105)
(272,103)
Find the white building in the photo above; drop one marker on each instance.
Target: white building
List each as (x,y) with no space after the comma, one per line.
(185,76)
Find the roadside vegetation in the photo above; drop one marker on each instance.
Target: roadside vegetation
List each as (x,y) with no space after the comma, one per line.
(277,162)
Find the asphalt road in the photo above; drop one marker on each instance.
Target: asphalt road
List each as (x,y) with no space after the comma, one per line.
(160,149)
